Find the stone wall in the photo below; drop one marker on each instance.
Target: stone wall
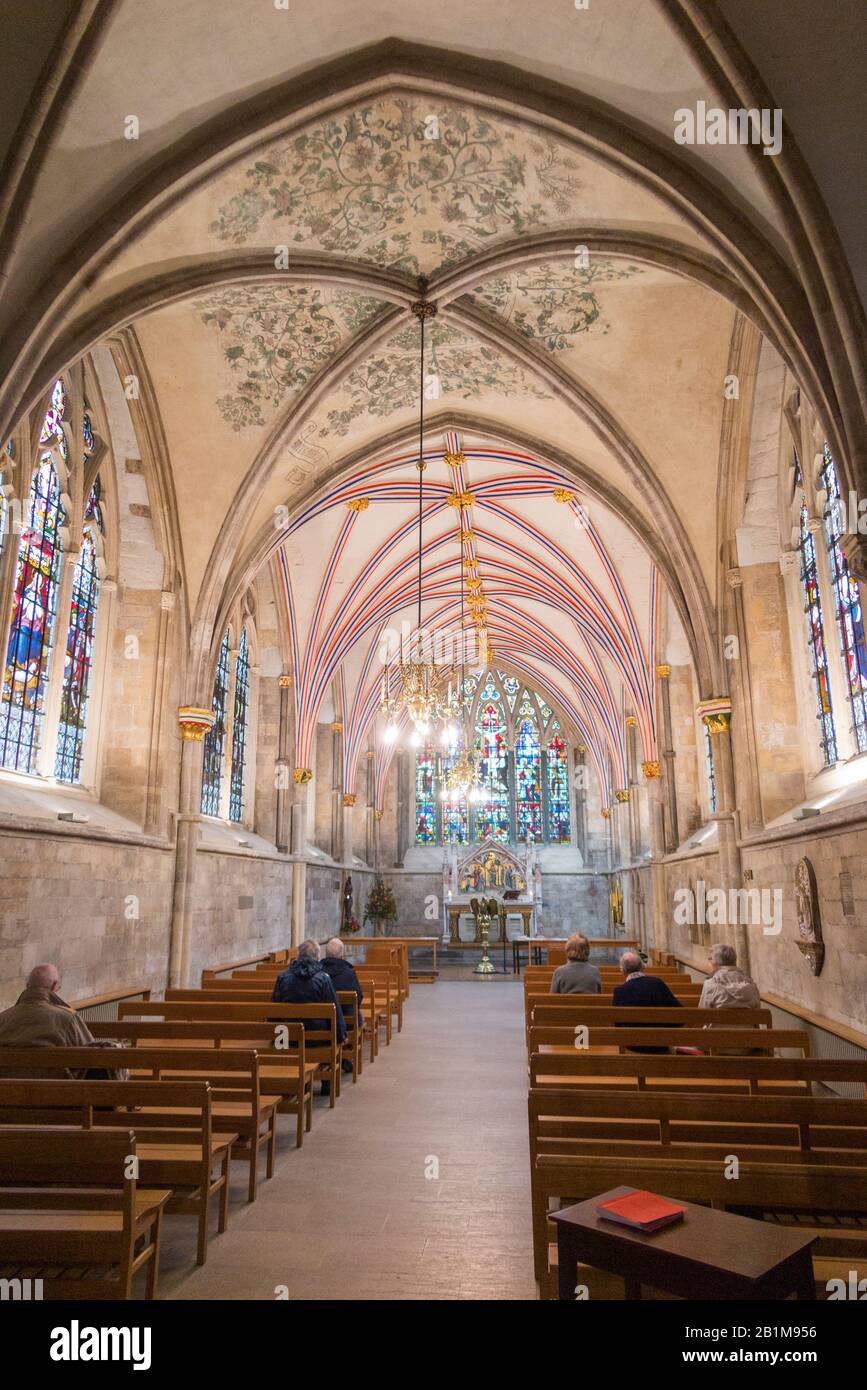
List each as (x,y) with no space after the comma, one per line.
(98,909)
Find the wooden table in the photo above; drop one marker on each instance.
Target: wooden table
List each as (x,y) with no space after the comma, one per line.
(708,1255)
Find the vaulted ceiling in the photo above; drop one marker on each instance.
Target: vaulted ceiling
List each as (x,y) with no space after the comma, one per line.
(258,232)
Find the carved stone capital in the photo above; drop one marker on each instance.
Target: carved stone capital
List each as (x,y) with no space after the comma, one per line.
(855,550)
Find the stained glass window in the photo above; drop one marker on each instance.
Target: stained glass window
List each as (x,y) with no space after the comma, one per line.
(425,798)
(559,816)
(454,813)
(492,810)
(847,601)
(710,769)
(239,730)
(215,738)
(816,638)
(528,781)
(78,663)
(93,510)
(34,604)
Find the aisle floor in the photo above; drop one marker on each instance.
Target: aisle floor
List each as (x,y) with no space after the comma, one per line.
(353,1214)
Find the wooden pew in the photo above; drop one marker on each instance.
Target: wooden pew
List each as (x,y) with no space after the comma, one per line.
(204,1008)
(284,1071)
(696,1075)
(385,978)
(183,1158)
(237,1105)
(561,1040)
(353,1046)
(86,1241)
(688,1000)
(378,1003)
(797,1155)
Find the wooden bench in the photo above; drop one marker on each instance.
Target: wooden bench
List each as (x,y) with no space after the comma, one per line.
(190,1159)
(73,1215)
(575,1002)
(383,983)
(561,1040)
(284,1070)
(796,1155)
(237,1105)
(321,1044)
(353,1046)
(697,1075)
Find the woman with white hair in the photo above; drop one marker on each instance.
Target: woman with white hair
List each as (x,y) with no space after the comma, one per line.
(727,987)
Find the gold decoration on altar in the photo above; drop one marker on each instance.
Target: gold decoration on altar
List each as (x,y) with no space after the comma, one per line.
(651,769)
(358,504)
(195,722)
(491,869)
(302,775)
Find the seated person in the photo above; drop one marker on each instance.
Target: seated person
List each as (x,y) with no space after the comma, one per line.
(40,1018)
(728,988)
(306,982)
(577,976)
(642,991)
(343,977)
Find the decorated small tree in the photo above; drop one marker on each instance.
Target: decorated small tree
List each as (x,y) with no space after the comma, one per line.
(381,907)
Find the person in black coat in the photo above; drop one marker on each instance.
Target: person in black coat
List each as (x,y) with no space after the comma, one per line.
(642,991)
(341,972)
(306,982)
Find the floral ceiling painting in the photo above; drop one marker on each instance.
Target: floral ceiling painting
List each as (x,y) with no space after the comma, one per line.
(407,184)
(458,365)
(555,302)
(273,339)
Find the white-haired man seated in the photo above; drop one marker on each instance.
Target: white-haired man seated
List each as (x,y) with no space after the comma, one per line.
(40,1018)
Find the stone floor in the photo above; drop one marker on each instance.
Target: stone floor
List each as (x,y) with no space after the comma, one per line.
(353,1215)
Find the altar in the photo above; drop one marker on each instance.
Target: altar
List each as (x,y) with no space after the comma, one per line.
(491,871)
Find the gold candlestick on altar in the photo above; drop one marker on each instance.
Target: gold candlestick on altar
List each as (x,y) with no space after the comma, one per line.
(485,965)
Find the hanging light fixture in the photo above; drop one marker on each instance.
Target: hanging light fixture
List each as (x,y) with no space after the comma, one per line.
(419,695)
(460,779)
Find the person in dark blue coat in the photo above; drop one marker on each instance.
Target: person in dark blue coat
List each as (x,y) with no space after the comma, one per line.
(643,992)
(306,982)
(343,977)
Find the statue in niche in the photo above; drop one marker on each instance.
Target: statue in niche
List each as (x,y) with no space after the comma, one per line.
(809,942)
(347,916)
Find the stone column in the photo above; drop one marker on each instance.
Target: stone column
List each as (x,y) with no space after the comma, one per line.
(154,798)
(193,723)
(403,808)
(659,895)
(634,808)
(716,716)
(337,849)
(579,801)
(672,834)
(283,833)
(301,778)
(735,583)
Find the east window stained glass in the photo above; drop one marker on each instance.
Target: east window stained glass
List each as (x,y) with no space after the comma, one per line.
(528,781)
(492,816)
(425,797)
(559,814)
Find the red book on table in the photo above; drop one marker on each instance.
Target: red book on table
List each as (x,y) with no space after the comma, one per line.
(643,1211)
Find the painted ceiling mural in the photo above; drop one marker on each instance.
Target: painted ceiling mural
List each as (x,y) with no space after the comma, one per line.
(405,183)
(261,329)
(555,301)
(457,365)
